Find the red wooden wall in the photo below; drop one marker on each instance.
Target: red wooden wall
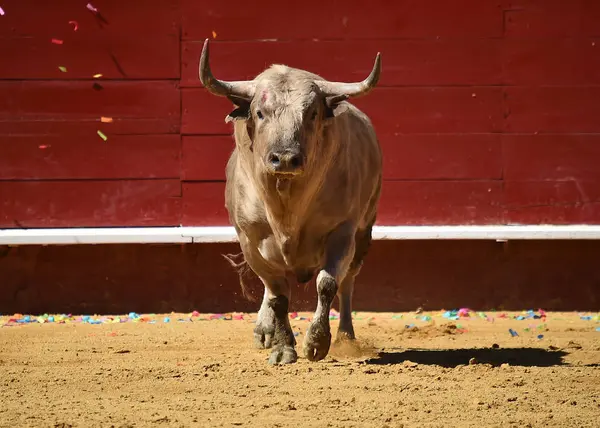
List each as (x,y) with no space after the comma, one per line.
(488,111)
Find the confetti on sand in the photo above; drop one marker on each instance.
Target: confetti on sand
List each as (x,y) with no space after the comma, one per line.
(101,134)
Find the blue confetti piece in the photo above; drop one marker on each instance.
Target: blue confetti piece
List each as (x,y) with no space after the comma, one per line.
(85,318)
(586,317)
(167,319)
(133,315)
(95,322)
(597,328)
(512,332)
(50,319)
(520,318)
(540,336)
(296,334)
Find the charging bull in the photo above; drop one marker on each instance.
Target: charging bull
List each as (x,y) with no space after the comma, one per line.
(303,184)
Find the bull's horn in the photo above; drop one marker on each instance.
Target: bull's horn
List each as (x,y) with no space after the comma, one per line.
(241,89)
(353,89)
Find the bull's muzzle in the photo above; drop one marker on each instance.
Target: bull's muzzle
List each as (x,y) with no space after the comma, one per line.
(285,163)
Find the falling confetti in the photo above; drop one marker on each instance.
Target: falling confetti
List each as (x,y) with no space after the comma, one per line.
(1,12)
(63,69)
(74,24)
(214,34)
(91,8)
(106,119)
(97,76)
(101,134)
(43,146)
(57,41)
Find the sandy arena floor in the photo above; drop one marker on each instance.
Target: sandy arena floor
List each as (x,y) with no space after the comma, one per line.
(206,373)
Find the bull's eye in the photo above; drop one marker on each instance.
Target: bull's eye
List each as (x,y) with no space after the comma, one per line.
(259,114)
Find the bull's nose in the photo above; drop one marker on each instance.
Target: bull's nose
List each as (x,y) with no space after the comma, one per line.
(286,162)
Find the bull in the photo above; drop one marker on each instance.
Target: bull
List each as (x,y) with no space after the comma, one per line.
(303,185)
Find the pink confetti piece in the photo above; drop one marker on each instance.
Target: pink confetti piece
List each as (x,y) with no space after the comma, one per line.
(91,8)
(57,41)
(1,11)
(75,25)
(43,146)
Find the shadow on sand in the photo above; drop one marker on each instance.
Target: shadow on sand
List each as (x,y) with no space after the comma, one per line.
(526,357)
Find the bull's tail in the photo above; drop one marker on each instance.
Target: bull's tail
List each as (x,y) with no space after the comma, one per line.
(242,269)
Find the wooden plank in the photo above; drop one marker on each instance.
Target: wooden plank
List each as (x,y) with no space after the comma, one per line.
(552,202)
(591,18)
(43,157)
(568,109)
(353,19)
(406,157)
(406,62)
(440,202)
(89,203)
(204,204)
(51,106)
(543,18)
(117,57)
(551,157)
(559,62)
(205,158)
(442,157)
(403,202)
(51,19)
(392,110)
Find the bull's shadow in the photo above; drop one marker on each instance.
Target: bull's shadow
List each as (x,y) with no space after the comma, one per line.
(525,357)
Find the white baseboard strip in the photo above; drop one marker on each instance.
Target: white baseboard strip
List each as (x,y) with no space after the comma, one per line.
(177,235)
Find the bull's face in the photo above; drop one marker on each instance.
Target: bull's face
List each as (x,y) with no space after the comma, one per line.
(285,112)
(285,121)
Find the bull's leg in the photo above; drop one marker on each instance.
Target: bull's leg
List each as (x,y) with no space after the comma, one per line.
(277,294)
(265,324)
(338,255)
(345,329)
(362,244)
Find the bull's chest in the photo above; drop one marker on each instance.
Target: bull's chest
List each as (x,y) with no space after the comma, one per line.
(300,257)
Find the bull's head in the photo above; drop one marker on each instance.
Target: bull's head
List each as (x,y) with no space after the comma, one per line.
(286,112)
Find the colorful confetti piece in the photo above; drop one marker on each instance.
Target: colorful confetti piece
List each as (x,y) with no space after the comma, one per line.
(91,8)
(62,68)
(106,119)
(214,34)
(43,146)
(57,41)
(1,12)
(74,24)
(512,332)
(97,76)
(101,134)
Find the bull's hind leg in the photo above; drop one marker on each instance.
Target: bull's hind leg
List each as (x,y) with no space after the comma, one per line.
(346,289)
(338,255)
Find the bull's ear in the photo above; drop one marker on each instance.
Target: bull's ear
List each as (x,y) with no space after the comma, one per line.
(334,105)
(242,110)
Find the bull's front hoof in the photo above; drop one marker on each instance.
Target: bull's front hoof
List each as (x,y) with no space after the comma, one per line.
(263,336)
(283,355)
(317,342)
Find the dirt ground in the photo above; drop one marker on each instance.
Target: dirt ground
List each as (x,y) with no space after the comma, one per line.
(207,373)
